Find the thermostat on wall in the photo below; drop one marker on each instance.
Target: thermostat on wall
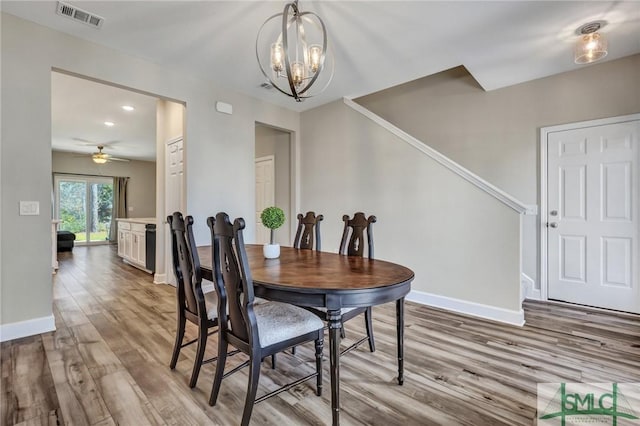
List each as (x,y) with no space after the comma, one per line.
(224,108)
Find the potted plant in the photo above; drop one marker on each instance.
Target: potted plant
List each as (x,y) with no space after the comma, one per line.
(272,218)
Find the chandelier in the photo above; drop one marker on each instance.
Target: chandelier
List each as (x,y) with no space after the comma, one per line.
(291,49)
(591,45)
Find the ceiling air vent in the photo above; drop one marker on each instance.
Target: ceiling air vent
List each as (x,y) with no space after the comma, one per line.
(72,12)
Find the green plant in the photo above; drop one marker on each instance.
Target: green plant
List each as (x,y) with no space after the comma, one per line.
(272,218)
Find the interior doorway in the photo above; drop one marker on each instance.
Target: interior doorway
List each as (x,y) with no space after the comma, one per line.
(128,129)
(591,219)
(273,160)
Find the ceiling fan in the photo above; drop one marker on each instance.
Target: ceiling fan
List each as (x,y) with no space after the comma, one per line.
(101,157)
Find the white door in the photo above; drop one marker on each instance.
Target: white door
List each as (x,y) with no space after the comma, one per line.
(593,232)
(265,194)
(174,198)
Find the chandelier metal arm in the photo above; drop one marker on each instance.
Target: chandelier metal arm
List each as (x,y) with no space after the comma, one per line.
(324,52)
(285,45)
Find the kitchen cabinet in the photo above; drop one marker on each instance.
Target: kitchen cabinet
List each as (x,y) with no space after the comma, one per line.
(132,241)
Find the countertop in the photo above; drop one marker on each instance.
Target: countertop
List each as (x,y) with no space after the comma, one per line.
(144,220)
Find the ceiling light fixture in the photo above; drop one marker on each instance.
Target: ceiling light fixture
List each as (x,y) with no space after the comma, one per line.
(294,44)
(127,107)
(100,157)
(109,123)
(592,46)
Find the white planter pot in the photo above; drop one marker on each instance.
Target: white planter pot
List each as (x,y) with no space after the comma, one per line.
(271,251)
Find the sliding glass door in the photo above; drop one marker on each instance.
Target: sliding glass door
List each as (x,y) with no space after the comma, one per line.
(84,206)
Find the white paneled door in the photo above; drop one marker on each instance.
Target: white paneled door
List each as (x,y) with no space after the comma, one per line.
(265,193)
(174,195)
(593,233)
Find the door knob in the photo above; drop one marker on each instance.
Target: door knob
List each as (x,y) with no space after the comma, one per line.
(553,225)
(553,212)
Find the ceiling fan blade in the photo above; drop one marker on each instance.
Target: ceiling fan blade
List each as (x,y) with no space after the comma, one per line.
(118,159)
(86,142)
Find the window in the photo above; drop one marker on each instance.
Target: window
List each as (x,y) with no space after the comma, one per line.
(84,205)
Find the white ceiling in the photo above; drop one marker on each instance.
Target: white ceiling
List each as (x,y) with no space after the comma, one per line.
(79,109)
(376,44)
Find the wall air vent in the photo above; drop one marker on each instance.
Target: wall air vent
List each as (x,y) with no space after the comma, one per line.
(72,12)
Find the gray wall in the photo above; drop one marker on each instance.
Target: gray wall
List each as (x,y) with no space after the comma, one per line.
(219,148)
(141,189)
(460,242)
(495,134)
(275,142)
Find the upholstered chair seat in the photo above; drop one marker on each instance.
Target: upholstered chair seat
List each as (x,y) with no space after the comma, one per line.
(211,302)
(278,322)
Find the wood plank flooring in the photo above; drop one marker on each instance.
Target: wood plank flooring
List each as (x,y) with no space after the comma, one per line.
(107,362)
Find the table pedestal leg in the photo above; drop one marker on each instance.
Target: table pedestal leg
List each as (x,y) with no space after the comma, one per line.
(400,331)
(335,323)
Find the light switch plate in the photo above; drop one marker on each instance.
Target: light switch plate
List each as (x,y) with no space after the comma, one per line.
(29,208)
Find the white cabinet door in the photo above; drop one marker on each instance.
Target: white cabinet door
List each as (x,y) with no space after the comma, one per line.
(140,254)
(121,242)
(134,247)
(127,245)
(593,232)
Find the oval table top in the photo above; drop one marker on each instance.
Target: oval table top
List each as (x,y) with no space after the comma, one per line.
(322,273)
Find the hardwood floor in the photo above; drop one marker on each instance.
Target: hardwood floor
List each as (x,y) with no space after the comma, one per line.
(107,362)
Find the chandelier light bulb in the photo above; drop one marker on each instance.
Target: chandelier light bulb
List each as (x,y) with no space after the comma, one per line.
(315,57)
(277,57)
(297,71)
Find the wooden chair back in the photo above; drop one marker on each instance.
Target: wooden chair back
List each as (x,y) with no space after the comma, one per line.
(232,279)
(186,265)
(353,241)
(308,229)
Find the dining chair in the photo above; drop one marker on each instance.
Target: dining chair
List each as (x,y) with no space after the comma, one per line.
(258,330)
(308,230)
(352,244)
(191,303)
(308,225)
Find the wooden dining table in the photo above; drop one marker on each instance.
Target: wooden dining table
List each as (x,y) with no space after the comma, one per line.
(322,279)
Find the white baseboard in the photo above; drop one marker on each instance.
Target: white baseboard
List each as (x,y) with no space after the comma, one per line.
(529,290)
(160,278)
(16,330)
(469,308)
(535,294)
